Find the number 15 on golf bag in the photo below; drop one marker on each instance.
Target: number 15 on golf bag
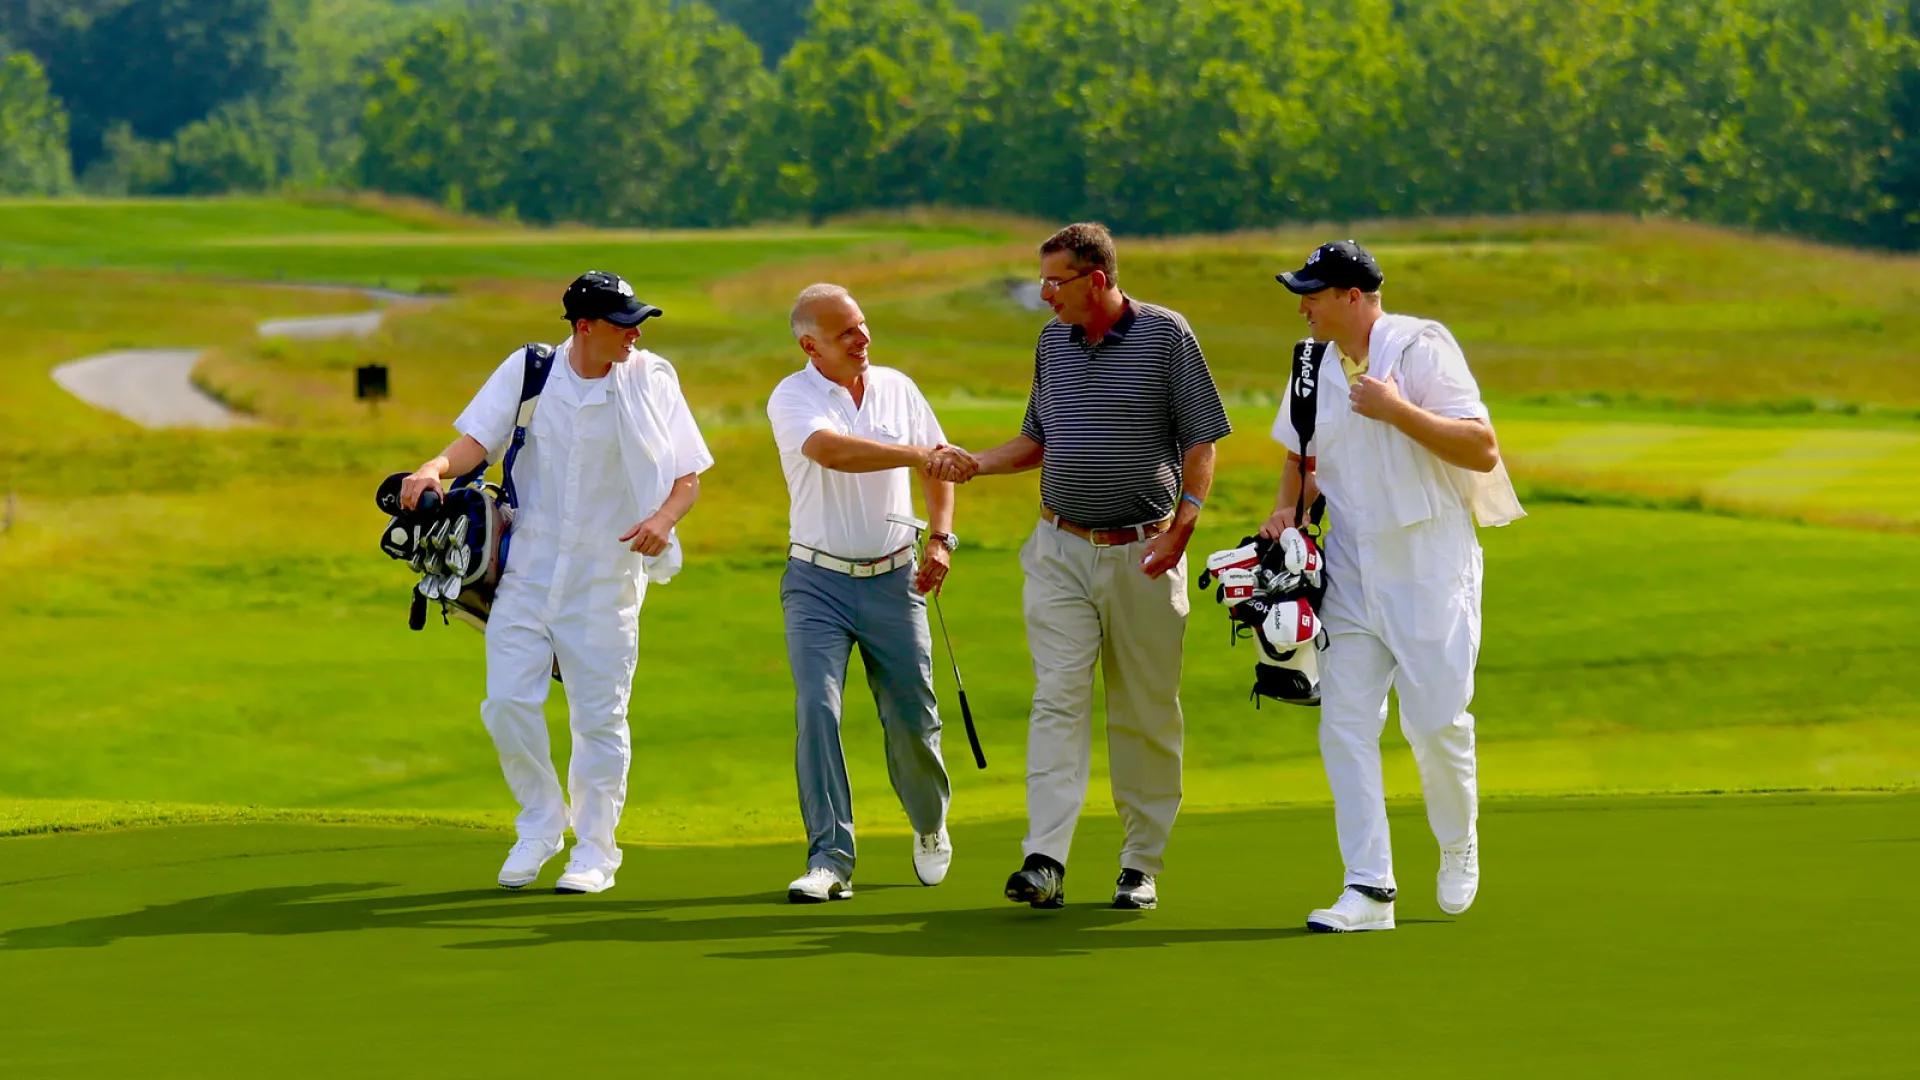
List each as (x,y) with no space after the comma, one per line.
(966,711)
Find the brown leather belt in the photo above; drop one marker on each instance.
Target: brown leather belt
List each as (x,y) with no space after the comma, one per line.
(1107,537)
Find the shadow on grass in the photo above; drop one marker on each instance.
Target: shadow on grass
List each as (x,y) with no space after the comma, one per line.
(531,920)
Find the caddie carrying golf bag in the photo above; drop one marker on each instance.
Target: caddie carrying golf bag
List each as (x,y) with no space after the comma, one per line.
(458,544)
(1272,589)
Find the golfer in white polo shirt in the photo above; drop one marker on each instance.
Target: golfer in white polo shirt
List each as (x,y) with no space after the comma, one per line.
(849,434)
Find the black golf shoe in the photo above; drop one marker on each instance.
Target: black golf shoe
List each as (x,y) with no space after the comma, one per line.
(1040,883)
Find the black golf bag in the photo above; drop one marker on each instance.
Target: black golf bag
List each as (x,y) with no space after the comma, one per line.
(458,544)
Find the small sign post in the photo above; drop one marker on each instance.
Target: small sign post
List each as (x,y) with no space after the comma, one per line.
(370,385)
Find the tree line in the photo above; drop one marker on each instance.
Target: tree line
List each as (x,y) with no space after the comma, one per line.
(1153,115)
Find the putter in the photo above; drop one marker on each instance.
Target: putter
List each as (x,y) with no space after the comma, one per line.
(966,711)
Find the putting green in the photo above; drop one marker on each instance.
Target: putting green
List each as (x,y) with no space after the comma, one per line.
(1742,935)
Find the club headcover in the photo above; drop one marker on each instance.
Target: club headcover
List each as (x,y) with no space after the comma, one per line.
(1236,585)
(1290,624)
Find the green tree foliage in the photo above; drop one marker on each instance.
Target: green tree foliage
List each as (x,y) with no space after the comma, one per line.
(1206,114)
(33,131)
(1153,115)
(593,111)
(873,106)
(155,65)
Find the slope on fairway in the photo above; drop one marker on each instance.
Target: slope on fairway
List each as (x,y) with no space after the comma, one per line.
(1671,937)
(1625,650)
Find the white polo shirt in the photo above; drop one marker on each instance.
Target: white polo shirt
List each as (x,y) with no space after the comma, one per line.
(841,513)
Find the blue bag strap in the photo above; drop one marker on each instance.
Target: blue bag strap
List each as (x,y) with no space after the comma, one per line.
(537,364)
(533,379)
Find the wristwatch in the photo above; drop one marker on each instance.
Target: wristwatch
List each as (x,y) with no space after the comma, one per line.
(946,540)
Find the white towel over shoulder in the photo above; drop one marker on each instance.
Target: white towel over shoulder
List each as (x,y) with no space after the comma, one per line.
(1411,471)
(659,443)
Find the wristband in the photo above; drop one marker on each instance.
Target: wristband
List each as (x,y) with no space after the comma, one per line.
(1197,504)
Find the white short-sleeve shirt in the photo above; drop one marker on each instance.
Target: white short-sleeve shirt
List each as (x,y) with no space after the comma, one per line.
(1431,373)
(841,513)
(575,497)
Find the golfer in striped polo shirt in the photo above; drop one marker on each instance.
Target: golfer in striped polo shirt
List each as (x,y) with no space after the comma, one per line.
(1121,422)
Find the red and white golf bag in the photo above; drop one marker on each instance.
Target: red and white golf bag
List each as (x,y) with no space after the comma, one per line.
(1272,588)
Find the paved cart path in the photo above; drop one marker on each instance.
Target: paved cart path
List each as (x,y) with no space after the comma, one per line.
(154,387)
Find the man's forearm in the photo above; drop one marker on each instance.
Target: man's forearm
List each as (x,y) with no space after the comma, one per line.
(846,453)
(1016,455)
(686,491)
(1465,443)
(939,504)
(461,457)
(1288,496)
(1196,480)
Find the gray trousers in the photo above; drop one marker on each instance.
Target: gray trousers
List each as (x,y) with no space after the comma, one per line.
(1087,605)
(827,615)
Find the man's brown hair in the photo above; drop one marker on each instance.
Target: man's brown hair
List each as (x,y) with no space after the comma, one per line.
(1092,247)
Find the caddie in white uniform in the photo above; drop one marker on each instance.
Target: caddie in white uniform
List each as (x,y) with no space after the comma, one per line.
(611,464)
(850,434)
(1405,454)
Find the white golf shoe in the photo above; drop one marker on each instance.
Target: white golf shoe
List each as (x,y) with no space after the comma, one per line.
(524,862)
(585,878)
(819,885)
(932,854)
(1459,878)
(1354,911)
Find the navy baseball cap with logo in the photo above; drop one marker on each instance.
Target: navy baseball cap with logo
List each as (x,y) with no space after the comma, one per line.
(1342,264)
(598,294)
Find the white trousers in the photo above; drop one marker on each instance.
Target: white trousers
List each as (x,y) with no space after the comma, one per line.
(595,636)
(1421,640)
(1086,604)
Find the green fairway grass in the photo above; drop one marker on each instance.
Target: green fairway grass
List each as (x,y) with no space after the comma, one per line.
(232,692)
(1654,937)
(402,246)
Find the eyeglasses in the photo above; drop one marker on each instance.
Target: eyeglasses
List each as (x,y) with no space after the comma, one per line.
(1050,284)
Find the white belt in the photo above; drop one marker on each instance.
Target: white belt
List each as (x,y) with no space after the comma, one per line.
(859,568)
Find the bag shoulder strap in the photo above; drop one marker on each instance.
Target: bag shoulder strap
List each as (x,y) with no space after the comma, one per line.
(538,360)
(1305,403)
(536,364)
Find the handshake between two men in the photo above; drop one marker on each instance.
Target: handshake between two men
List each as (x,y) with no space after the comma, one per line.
(951,464)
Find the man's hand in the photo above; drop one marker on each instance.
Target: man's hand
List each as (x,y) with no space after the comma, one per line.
(426,476)
(933,569)
(952,465)
(1164,551)
(1281,521)
(650,537)
(1376,400)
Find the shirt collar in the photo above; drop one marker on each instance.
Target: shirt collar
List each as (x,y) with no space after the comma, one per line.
(585,391)
(825,385)
(1117,331)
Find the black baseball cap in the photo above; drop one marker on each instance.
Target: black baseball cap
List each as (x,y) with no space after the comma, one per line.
(598,294)
(1342,264)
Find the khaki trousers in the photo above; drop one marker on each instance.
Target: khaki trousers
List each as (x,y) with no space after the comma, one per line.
(1085,604)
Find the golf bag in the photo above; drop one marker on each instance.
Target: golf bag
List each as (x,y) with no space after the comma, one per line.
(1272,589)
(458,544)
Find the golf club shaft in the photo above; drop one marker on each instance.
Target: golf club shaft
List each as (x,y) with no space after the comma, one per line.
(966,711)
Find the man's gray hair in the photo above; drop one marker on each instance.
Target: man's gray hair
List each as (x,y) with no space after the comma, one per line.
(802,321)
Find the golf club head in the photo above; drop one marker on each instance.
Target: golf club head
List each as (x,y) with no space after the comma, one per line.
(450,589)
(430,587)
(909,521)
(387,498)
